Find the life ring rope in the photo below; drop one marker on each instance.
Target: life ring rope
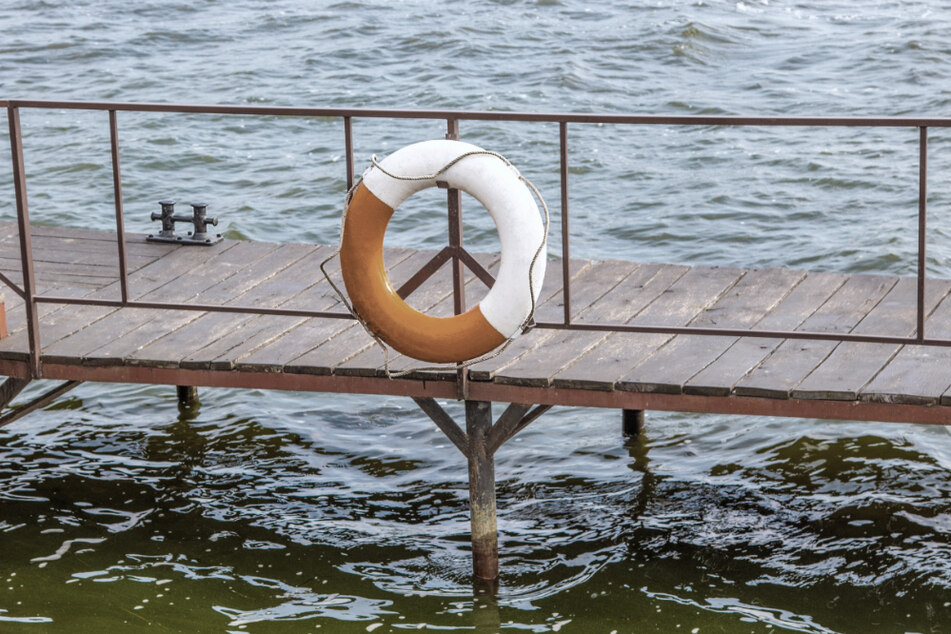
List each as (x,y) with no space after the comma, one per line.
(538,252)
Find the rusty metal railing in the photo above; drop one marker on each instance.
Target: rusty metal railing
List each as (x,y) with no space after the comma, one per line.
(455,251)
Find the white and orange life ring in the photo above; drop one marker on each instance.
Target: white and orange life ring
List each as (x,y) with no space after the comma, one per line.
(502,312)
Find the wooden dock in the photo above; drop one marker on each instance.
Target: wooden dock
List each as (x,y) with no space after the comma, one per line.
(546,366)
(114,341)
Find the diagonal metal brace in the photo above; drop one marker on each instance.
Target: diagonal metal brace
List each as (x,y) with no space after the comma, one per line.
(445,423)
(436,262)
(424,273)
(37,403)
(10,388)
(474,266)
(514,419)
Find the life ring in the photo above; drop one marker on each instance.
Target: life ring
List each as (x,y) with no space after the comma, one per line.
(502,312)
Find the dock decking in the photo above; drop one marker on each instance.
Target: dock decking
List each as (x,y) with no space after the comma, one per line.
(811,378)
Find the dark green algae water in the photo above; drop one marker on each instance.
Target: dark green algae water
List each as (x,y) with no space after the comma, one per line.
(284,512)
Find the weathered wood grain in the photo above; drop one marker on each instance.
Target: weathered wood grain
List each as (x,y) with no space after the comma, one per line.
(719,377)
(68,319)
(205,329)
(917,375)
(269,347)
(793,360)
(753,296)
(123,332)
(82,263)
(330,343)
(550,308)
(602,367)
(843,374)
(219,347)
(619,304)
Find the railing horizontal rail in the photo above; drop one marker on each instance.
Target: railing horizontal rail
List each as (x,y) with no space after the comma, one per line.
(210,308)
(486,115)
(739,332)
(458,254)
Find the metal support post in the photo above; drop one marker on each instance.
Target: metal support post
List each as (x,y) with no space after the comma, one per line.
(478,444)
(485,543)
(187,396)
(632,421)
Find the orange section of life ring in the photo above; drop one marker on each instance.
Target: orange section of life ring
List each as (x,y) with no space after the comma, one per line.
(415,334)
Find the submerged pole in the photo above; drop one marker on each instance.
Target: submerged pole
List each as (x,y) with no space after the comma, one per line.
(632,422)
(485,544)
(187,395)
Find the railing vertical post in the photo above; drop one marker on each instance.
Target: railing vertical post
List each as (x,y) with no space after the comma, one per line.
(565,251)
(922,225)
(26,244)
(117,195)
(455,232)
(348,144)
(454,203)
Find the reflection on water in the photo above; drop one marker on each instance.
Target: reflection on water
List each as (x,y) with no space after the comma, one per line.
(349,512)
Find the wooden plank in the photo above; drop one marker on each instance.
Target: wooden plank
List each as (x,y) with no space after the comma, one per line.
(303,336)
(917,375)
(793,360)
(587,286)
(620,304)
(278,277)
(67,320)
(671,366)
(332,342)
(11,267)
(550,308)
(260,330)
(46,252)
(843,374)
(168,350)
(604,365)
(719,378)
(263,331)
(16,315)
(122,332)
(342,347)
(82,239)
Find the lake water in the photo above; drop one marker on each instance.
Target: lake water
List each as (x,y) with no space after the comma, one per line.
(288,512)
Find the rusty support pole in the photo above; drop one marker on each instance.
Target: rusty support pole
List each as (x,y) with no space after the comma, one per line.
(632,422)
(10,388)
(187,396)
(922,225)
(38,402)
(454,204)
(26,244)
(117,195)
(485,544)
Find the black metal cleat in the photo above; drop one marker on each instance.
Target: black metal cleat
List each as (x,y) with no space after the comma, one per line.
(168,220)
(198,219)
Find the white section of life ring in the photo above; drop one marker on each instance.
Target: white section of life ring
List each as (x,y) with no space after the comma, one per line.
(497,186)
